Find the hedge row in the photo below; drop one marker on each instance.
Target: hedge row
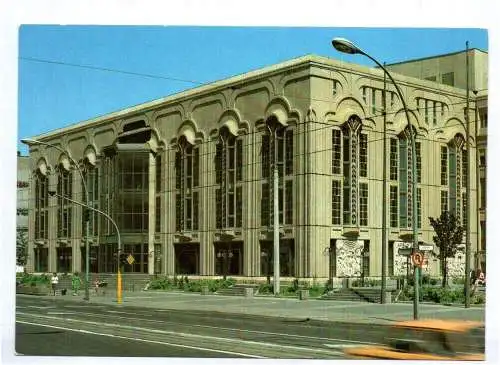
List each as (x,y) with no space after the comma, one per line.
(441,295)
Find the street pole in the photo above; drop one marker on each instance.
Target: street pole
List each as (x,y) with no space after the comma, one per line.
(276,219)
(467,184)
(29,141)
(345,46)
(118,283)
(384,200)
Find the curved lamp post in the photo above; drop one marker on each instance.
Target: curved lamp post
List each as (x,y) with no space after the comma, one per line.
(118,281)
(346,46)
(29,142)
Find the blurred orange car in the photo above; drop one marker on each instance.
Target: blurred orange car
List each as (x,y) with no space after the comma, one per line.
(428,340)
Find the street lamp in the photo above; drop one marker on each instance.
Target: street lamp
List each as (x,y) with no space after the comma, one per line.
(329,251)
(118,281)
(346,46)
(265,253)
(30,141)
(225,255)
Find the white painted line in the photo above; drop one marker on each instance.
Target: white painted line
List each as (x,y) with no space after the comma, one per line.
(143,340)
(62,313)
(340,345)
(242,330)
(38,307)
(121,312)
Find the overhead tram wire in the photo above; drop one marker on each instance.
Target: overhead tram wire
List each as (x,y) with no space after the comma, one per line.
(33,59)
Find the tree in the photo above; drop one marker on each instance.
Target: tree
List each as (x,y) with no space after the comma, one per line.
(21,247)
(449,236)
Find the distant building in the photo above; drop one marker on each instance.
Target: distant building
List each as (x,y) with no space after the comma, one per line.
(450,69)
(188,178)
(23,179)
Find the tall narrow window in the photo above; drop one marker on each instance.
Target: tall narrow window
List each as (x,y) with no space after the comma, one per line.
(265,205)
(444,165)
(419,162)
(336,151)
(363,155)
(91,175)
(419,207)
(158,191)
(351,156)
(394,159)
(187,185)
(229,171)
(289,202)
(64,192)
(336,202)
(374,101)
(394,206)
(277,150)
(41,206)
(363,204)
(444,201)
(403,184)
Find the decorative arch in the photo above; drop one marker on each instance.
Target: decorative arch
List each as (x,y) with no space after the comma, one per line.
(400,122)
(347,107)
(90,154)
(231,119)
(189,129)
(64,161)
(451,127)
(42,166)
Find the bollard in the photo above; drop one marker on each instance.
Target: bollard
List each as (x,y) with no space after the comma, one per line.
(388,297)
(205,290)
(303,294)
(248,292)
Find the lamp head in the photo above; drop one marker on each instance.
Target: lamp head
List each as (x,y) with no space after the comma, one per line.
(29,141)
(345,46)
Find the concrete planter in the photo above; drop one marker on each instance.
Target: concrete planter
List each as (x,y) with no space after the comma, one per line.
(303,294)
(34,290)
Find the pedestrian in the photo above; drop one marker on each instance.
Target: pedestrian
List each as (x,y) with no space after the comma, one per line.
(54,280)
(75,283)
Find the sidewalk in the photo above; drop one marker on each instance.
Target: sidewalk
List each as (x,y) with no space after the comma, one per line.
(290,308)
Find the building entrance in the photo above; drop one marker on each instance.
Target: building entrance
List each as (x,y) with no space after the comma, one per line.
(187,258)
(228,258)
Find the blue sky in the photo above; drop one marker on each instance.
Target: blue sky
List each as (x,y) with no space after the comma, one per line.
(53,94)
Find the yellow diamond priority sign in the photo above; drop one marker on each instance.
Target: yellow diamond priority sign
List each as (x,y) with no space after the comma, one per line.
(130,259)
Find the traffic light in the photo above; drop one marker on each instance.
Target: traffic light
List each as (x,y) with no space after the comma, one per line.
(86,214)
(123,258)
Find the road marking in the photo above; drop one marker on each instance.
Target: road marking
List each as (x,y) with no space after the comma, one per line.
(143,340)
(183,334)
(236,329)
(340,345)
(62,313)
(38,307)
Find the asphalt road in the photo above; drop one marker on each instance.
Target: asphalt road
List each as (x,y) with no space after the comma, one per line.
(92,329)
(105,330)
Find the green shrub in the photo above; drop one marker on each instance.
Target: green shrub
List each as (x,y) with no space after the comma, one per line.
(34,280)
(266,289)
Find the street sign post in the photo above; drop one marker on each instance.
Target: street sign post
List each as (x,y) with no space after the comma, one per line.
(405,251)
(426,247)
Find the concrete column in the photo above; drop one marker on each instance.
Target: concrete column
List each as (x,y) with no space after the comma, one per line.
(152,212)
(205,211)
(30,262)
(76,220)
(52,264)
(168,249)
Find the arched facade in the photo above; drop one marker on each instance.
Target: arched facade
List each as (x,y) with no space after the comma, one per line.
(189,180)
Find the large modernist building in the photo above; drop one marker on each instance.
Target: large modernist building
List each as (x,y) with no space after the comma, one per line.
(451,69)
(189,178)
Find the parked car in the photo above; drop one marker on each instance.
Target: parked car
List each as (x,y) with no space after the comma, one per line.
(428,340)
